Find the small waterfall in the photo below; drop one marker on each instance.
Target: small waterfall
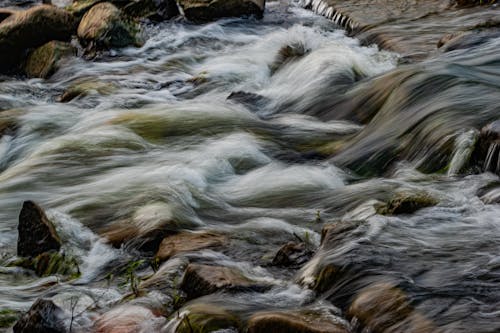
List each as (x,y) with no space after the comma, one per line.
(322,7)
(464,147)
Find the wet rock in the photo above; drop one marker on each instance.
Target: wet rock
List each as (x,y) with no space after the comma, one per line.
(23,30)
(156,10)
(128,319)
(208,10)
(292,255)
(287,54)
(201,318)
(466,40)
(51,263)
(44,61)
(102,27)
(8,123)
(36,232)
(82,89)
(296,321)
(383,305)
(200,280)
(406,203)
(43,316)
(188,242)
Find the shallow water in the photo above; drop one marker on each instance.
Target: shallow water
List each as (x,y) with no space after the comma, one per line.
(157,144)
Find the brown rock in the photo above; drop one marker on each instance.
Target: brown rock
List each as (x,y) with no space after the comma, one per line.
(202,317)
(407,203)
(43,62)
(124,319)
(382,306)
(297,322)
(31,28)
(200,280)
(36,232)
(209,10)
(187,242)
(103,27)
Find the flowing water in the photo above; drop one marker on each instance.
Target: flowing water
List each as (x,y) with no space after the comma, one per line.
(156,144)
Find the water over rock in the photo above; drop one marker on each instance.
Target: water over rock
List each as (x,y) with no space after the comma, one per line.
(43,316)
(406,203)
(298,321)
(207,10)
(187,242)
(128,319)
(292,254)
(103,27)
(36,232)
(23,30)
(44,61)
(200,280)
(200,317)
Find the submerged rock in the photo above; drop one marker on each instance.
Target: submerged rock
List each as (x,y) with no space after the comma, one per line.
(209,10)
(287,54)
(127,319)
(36,232)
(200,280)
(23,30)
(297,322)
(383,306)
(406,203)
(81,89)
(43,316)
(292,254)
(102,27)
(187,242)
(200,318)
(44,61)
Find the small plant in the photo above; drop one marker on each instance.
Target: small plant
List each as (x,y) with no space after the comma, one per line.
(132,278)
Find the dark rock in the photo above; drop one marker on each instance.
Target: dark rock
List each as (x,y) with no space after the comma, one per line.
(156,10)
(187,242)
(287,54)
(208,10)
(124,319)
(202,317)
(102,27)
(44,61)
(43,316)
(297,322)
(23,30)
(200,280)
(36,232)
(292,254)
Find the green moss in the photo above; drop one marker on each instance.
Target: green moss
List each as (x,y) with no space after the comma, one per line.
(8,318)
(51,263)
(407,203)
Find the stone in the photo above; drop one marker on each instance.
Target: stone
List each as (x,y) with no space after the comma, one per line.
(126,319)
(36,232)
(209,10)
(200,280)
(406,203)
(200,318)
(382,305)
(292,254)
(82,89)
(44,61)
(102,27)
(156,10)
(188,242)
(23,30)
(43,316)
(287,54)
(297,322)
(51,263)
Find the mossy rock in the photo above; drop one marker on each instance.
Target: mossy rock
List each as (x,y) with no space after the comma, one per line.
(406,203)
(44,61)
(8,318)
(51,263)
(82,89)
(103,27)
(202,318)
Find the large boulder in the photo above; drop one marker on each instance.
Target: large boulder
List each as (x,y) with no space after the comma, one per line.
(44,61)
(209,10)
(200,280)
(43,316)
(36,232)
(23,30)
(103,27)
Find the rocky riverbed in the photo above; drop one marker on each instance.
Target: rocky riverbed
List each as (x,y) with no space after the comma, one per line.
(242,166)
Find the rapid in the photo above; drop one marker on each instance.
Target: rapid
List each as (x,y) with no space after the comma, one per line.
(265,131)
